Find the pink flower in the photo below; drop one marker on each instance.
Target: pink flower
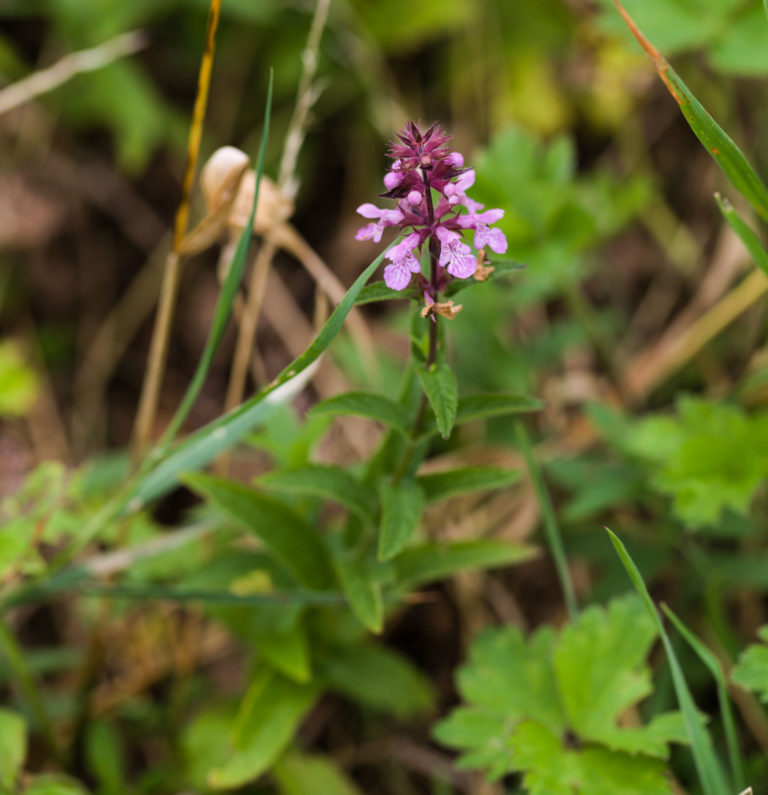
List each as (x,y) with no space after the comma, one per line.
(455,256)
(374,231)
(397,275)
(484,235)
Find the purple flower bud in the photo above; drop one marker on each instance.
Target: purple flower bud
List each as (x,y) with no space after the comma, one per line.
(414,197)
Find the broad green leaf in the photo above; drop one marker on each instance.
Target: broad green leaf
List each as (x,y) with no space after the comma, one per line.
(365,404)
(293,542)
(330,482)
(751,670)
(299,774)
(494,404)
(714,139)
(361,590)
(201,447)
(709,457)
(401,507)
(429,562)
(527,707)
(379,678)
(707,765)
(228,291)
(19,385)
(439,385)
(268,718)
(13,748)
(441,485)
(748,236)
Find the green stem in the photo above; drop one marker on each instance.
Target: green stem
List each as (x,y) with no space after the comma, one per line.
(551,527)
(13,653)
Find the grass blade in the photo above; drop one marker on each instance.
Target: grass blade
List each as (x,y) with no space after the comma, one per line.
(226,431)
(716,141)
(227,293)
(716,669)
(552,528)
(707,765)
(745,232)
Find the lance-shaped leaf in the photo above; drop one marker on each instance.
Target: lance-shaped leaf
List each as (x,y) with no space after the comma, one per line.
(401,507)
(439,386)
(365,404)
(330,482)
(441,485)
(294,543)
(748,236)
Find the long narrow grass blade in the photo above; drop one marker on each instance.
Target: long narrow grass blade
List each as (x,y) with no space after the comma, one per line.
(150,389)
(707,765)
(201,447)
(554,536)
(715,668)
(227,294)
(745,232)
(716,141)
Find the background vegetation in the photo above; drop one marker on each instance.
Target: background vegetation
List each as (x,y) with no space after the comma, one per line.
(151,652)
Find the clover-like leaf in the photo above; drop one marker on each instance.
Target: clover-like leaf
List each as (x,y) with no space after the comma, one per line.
(751,671)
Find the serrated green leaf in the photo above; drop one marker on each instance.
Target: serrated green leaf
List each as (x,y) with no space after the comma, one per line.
(751,670)
(401,508)
(293,542)
(528,707)
(429,562)
(715,140)
(592,771)
(267,719)
(709,457)
(299,774)
(331,482)
(595,689)
(362,591)
(370,405)
(13,748)
(439,385)
(379,678)
(441,485)
(745,232)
